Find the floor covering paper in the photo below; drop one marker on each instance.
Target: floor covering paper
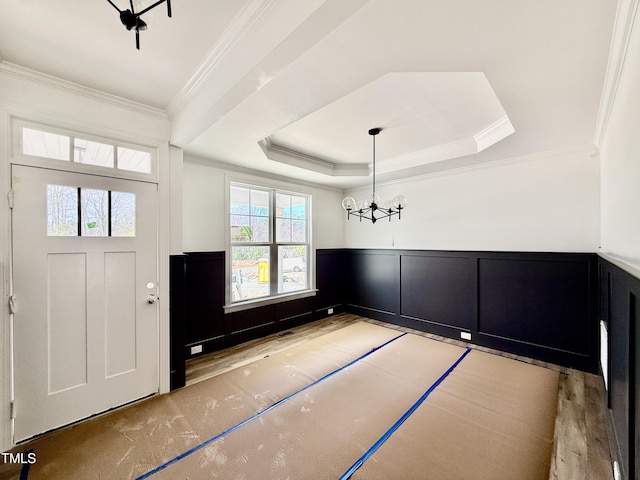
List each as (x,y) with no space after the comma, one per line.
(488,418)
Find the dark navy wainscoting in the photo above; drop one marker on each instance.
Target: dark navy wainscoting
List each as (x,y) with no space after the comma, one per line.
(438,289)
(177,316)
(197,298)
(372,283)
(541,305)
(619,306)
(330,281)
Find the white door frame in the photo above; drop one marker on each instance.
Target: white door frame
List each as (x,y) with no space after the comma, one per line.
(169,181)
(6,372)
(102,337)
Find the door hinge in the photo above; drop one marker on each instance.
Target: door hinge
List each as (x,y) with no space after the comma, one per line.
(12,304)
(12,410)
(10,198)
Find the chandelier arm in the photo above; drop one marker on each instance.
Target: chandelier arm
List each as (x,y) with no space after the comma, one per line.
(149,8)
(113,5)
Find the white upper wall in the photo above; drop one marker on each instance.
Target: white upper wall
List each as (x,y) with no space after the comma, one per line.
(204,187)
(34,96)
(547,202)
(620,155)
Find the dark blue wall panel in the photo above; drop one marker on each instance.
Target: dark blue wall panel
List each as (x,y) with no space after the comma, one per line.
(541,305)
(634,387)
(620,293)
(373,280)
(437,289)
(541,301)
(330,279)
(205,296)
(178,318)
(619,377)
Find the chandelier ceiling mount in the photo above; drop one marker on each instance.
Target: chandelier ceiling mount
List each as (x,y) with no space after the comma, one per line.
(131,19)
(370,207)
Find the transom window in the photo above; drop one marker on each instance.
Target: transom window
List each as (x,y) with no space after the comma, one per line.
(76,149)
(270,242)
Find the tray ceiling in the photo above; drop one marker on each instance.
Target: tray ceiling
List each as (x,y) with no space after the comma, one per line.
(292,87)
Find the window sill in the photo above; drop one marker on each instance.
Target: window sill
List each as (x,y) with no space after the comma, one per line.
(261,302)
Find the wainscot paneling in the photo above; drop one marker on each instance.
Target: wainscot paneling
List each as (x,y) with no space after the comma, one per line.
(634,391)
(330,280)
(198,320)
(541,305)
(240,323)
(294,312)
(178,315)
(373,283)
(438,290)
(620,302)
(205,297)
(541,301)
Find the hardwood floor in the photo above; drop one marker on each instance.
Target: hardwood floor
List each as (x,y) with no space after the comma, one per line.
(581,448)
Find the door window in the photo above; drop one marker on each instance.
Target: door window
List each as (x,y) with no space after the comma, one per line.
(89,212)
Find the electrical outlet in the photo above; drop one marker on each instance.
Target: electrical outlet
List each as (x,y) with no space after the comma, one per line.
(465,335)
(196,349)
(330,311)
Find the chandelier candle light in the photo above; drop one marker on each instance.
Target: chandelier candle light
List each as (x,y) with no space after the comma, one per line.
(370,208)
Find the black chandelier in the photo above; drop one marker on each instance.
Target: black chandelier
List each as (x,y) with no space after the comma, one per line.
(132,21)
(370,208)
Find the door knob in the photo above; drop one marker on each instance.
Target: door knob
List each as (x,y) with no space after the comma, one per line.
(151,299)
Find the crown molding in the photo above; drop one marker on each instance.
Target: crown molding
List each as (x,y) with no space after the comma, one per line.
(26,74)
(437,153)
(495,132)
(251,172)
(281,154)
(622,28)
(249,15)
(588,150)
(492,134)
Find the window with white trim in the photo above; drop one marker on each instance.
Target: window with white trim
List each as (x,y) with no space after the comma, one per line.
(270,242)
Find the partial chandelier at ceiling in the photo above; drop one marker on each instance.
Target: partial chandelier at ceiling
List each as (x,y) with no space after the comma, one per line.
(132,21)
(370,208)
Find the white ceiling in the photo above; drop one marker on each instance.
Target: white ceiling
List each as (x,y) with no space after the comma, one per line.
(292,87)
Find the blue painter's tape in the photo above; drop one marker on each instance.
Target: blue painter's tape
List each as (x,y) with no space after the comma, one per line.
(24,471)
(401,420)
(262,412)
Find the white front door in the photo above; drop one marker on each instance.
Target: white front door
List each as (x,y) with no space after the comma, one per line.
(85,317)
